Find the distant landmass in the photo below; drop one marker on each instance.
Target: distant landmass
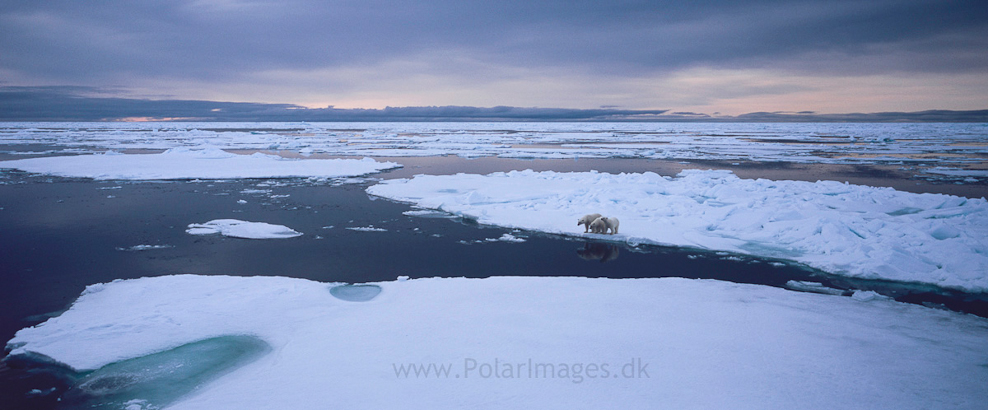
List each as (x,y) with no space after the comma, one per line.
(66,103)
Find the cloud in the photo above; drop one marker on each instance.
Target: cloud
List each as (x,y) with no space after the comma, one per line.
(72,41)
(424,52)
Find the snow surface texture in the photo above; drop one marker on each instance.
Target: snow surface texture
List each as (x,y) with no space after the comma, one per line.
(853,230)
(243,229)
(184,163)
(689,344)
(952,145)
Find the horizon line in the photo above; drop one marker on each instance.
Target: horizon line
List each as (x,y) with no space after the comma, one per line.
(68,104)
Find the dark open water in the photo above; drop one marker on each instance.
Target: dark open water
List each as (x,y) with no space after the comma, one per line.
(59,235)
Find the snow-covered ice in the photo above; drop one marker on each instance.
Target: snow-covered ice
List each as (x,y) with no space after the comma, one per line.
(953,145)
(426,213)
(852,230)
(137,248)
(868,295)
(704,343)
(983,173)
(507,237)
(186,163)
(815,287)
(370,228)
(242,229)
(631,343)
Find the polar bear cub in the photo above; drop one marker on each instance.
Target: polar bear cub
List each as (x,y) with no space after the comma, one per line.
(603,224)
(586,220)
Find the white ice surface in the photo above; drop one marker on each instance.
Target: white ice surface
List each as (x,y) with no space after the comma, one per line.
(184,163)
(846,143)
(507,237)
(371,228)
(243,229)
(959,172)
(853,230)
(703,344)
(137,248)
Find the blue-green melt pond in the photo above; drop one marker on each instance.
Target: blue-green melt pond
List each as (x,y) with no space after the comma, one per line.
(155,380)
(355,293)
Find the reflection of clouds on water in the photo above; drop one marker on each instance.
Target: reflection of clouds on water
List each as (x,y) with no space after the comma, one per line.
(603,252)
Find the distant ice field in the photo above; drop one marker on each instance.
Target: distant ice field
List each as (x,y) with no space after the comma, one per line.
(955,151)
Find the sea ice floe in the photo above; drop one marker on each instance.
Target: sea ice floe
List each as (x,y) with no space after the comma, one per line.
(242,229)
(426,213)
(137,248)
(507,237)
(815,287)
(959,172)
(39,392)
(868,295)
(370,228)
(950,145)
(187,163)
(852,230)
(693,344)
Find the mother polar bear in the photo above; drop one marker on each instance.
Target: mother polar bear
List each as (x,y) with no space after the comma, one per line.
(586,220)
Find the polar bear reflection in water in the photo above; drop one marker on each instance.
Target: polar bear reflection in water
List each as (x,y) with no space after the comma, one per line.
(593,251)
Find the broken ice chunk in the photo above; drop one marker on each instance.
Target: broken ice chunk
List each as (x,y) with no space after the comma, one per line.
(243,229)
(814,287)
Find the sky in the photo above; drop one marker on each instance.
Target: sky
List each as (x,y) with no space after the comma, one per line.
(709,57)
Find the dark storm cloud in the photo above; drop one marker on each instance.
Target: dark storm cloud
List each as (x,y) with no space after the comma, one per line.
(85,104)
(84,42)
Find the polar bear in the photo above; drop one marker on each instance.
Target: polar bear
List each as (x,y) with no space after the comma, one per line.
(603,224)
(586,220)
